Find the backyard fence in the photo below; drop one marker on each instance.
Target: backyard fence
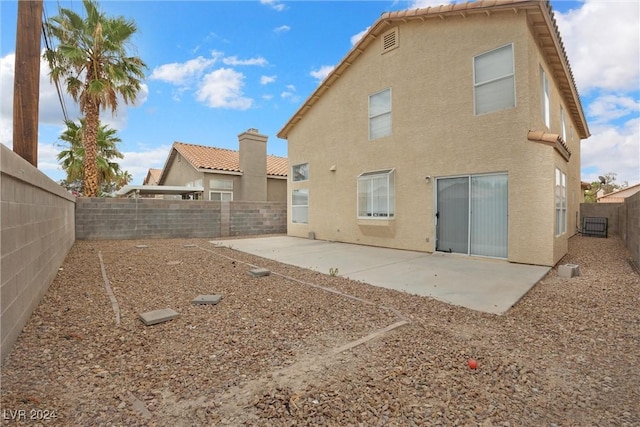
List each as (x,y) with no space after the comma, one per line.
(146,218)
(622,218)
(37,222)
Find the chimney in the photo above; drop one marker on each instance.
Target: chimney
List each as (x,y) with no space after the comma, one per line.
(253,164)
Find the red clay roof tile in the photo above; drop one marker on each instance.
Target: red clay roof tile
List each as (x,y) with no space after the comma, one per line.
(223,159)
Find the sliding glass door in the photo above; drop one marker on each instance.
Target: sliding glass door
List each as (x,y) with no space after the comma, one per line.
(472,215)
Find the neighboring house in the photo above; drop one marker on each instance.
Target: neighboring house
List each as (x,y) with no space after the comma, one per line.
(153,177)
(454,128)
(245,175)
(618,196)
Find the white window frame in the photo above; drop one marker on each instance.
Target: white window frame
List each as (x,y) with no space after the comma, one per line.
(300,172)
(496,80)
(295,208)
(384,210)
(230,193)
(561,203)
(545,94)
(376,116)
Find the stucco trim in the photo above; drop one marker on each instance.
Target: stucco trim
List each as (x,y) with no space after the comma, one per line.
(551,139)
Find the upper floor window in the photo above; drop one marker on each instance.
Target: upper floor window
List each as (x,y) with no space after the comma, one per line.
(221,184)
(376,194)
(300,172)
(546,98)
(380,114)
(563,123)
(494,80)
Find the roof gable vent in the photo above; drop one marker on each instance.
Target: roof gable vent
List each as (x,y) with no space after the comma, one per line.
(390,40)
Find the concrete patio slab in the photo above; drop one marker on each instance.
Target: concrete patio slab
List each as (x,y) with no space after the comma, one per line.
(482,284)
(158,316)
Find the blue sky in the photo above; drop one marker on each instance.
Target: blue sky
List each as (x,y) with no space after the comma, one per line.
(218,68)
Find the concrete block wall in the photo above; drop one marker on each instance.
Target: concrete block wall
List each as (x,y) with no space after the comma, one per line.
(631,234)
(623,220)
(250,218)
(602,210)
(109,218)
(37,232)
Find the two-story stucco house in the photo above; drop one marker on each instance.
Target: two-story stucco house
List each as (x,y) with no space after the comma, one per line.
(248,174)
(453,128)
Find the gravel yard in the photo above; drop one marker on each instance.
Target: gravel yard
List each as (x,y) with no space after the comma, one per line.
(299,348)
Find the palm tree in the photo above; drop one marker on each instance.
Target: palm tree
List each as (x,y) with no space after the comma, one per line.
(72,157)
(91,59)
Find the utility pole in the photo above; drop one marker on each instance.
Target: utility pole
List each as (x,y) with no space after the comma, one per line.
(26,81)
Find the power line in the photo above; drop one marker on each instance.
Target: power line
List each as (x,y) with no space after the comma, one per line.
(46,37)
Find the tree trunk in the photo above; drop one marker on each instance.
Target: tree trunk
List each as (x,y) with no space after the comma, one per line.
(90,142)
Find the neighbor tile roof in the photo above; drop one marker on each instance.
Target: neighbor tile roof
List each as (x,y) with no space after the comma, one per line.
(153,176)
(222,159)
(540,13)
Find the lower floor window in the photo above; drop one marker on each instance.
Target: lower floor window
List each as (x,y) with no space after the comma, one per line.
(376,194)
(221,196)
(300,206)
(561,202)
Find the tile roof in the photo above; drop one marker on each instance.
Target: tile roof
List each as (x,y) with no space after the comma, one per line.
(153,176)
(621,193)
(223,159)
(543,22)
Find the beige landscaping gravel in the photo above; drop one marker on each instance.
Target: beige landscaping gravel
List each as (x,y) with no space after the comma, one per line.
(301,348)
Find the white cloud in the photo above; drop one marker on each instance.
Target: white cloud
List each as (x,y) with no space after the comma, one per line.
(282,29)
(607,59)
(612,107)
(48,161)
(233,60)
(419,4)
(264,80)
(322,72)
(356,37)
(180,73)
(606,65)
(222,88)
(290,94)
(138,163)
(615,150)
(274,4)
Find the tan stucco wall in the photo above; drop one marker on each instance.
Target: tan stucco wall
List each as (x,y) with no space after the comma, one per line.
(180,172)
(253,163)
(276,190)
(571,168)
(435,133)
